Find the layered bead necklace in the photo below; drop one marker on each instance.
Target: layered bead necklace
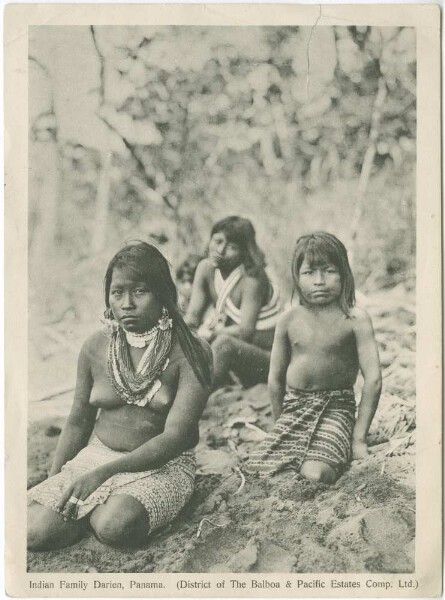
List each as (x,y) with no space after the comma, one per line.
(138,386)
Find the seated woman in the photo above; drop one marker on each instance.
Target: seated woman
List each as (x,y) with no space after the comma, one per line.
(128,468)
(246,304)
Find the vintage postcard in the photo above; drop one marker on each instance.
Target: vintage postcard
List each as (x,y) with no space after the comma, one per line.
(223,300)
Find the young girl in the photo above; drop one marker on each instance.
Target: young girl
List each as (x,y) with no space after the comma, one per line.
(247,305)
(318,349)
(124,464)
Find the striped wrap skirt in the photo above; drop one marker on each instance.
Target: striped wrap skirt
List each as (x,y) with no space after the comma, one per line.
(314,425)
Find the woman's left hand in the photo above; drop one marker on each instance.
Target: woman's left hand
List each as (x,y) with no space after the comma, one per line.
(79,490)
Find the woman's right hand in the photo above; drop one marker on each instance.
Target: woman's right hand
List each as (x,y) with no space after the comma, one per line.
(79,490)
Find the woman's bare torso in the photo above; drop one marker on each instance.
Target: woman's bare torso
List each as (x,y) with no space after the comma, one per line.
(323,352)
(123,426)
(262,339)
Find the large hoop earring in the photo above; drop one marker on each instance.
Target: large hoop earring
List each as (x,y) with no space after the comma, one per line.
(109,321)
(165,322)
(108,314)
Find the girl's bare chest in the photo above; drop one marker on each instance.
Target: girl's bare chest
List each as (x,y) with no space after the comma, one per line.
(322,337)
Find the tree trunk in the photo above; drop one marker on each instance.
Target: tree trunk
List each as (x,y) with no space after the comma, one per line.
(368,161)
(102,203)
(47,211)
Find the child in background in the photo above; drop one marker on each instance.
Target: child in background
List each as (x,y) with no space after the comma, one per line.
(319,347)
(185,274)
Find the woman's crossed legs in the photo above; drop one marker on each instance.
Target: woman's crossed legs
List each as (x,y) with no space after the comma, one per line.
(249,362)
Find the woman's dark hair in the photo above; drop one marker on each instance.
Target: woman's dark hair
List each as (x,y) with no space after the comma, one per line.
(320,248)
(241,232)
(145,261)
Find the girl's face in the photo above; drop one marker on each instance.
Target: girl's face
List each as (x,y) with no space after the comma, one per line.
(135,307)
(222,253)
(320,284)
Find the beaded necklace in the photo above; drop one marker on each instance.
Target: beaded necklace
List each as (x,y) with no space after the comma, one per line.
(140,340)
(138,386)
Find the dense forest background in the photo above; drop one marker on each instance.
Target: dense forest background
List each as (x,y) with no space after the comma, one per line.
(157,132)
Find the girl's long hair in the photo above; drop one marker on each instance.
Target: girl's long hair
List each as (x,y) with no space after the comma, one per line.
(151,266)
(320,248)
(240,231)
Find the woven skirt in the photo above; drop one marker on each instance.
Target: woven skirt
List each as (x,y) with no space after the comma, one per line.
(314,425)
(163,492)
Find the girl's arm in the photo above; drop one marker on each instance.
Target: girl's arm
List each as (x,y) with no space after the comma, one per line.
(80,423)
(200,297)
(180,433)
(370,368)
(279,362)
(251,302)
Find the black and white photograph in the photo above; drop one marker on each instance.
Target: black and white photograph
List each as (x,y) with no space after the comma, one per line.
(222,307)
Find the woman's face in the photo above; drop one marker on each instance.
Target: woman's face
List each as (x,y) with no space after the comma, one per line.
(222,253)
(135,307)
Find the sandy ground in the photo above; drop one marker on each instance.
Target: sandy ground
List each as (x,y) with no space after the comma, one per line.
(364,523)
